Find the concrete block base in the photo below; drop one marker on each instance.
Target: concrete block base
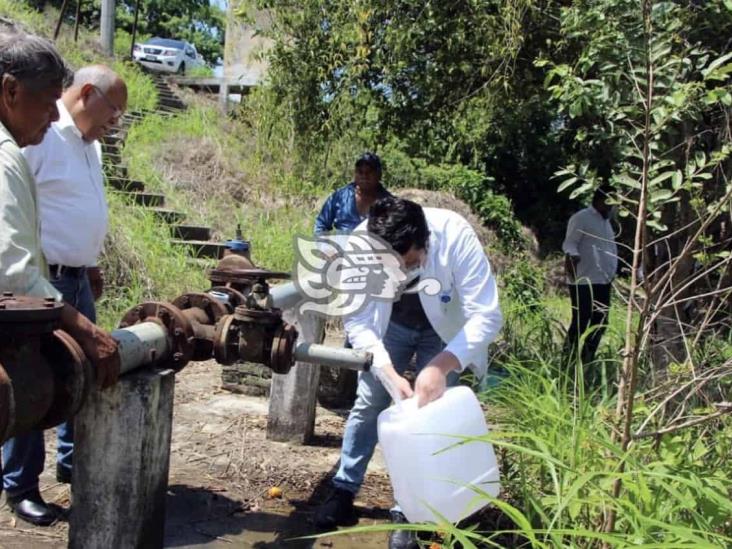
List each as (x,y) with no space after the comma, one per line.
(293,396)
(121,458)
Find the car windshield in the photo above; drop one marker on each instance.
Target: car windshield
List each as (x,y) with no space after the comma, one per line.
(166,43)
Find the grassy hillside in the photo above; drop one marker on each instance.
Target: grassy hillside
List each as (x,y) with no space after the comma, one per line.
(204,165)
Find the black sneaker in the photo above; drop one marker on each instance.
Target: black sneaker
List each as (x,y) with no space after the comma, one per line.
(337,510)
(402,539)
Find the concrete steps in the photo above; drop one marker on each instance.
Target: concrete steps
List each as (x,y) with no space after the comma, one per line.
(126,185)
(190,232)
(202,248)
(152,200)
(196,239)
(171,217)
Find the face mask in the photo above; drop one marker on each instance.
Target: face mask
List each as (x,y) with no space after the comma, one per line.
(412,275)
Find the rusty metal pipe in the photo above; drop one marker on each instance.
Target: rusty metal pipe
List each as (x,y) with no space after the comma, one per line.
(141,344)
(336,357)
(204,331)
(196,314)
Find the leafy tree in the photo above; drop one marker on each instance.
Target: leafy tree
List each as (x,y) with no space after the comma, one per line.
(196,21)
(683,71)
(448,81)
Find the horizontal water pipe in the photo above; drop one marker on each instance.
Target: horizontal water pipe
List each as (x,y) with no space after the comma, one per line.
(141,344)
(331,356)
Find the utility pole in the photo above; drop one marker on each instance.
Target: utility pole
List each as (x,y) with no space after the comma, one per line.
(134,30)
(77,20)
(107,27)
(60,20)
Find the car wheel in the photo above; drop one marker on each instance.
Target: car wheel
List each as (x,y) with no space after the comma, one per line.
(182,68)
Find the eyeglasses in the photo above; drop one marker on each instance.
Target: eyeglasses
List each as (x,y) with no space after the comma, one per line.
(115,109)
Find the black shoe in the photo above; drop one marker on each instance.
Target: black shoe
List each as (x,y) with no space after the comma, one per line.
(336,511)
(31,508)
(402,539)
(63,475)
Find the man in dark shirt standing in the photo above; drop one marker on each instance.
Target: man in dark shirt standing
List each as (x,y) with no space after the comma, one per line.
(342,212)
(349,205)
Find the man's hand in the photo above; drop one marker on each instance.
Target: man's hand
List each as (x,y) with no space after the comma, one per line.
(432,380)
(98,346)
(96,281)
(400,383)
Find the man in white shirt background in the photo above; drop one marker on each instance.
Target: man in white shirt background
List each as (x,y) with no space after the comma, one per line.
(591,262)
(67,166)
(446,330)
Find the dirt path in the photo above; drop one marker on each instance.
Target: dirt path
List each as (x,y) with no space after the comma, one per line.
(221,469)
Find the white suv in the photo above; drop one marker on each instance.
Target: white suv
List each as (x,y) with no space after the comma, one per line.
(166,55)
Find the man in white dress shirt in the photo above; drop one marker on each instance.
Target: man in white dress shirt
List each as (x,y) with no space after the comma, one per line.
(591,262)
(67,166)
(447,329)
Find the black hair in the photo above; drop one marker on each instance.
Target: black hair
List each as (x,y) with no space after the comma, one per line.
(371,161)
(31,59)
(606,190)
(401,223)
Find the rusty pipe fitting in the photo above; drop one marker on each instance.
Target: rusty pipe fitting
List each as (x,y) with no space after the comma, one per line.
(44,375)
(178,333)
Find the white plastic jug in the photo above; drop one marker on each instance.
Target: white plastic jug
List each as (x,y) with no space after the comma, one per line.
(423,477)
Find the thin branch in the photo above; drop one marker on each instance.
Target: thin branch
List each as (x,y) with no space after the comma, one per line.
(717,373)
(664,280)
(726,409)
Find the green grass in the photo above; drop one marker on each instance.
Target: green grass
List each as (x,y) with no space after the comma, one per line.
(142,92)
(560,462)
(271,210)
(554,439)
(23,14)
(141,264)
(200,72)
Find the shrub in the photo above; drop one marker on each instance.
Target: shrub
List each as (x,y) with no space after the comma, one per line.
(524,284)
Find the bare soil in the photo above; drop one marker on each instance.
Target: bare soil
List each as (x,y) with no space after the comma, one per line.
(221,470)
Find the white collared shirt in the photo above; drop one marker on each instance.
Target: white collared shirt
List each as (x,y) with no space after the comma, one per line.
(72,203)
(591,237)
(465,313)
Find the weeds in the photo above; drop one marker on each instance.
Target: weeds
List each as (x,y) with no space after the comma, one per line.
(141,264)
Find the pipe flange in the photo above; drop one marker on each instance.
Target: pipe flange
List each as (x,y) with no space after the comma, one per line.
(73,377)
(283,344)
(26,315)
(213,308)
(246,277)
(174,321)
(236,297)
(225,335)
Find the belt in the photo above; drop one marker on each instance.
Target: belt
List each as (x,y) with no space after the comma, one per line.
(62,270)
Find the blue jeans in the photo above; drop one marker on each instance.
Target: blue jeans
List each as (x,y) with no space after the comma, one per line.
(360,437)
(24,455)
